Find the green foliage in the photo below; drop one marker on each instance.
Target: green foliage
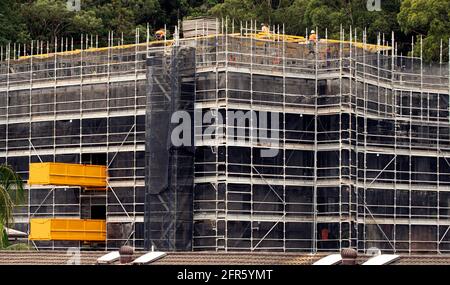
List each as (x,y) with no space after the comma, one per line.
(86,22)
(3,237)
(19,246)
(240,10)
(12,26)
(299,15)
(22,20)
(11,194)
(200,8)
(429,19)
(292,15)
(46,19)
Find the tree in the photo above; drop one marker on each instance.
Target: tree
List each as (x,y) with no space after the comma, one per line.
(11,195)
(198,8)
(330,15)
(239,10)
(299,15)
(292,15)
(86,22)
(12,27)
(23,20)
(119,16)
(429,19)
(46,19)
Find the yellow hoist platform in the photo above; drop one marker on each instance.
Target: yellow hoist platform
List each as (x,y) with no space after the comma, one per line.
(65,174)
(90,177)
(67,230)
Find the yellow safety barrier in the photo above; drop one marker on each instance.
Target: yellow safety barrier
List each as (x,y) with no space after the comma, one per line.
(302,40)
(93,50)
(368,47)
(67,229)
(65,174)
(276,37)
(259,36)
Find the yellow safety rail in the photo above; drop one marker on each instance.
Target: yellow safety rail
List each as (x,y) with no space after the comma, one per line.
(91,50)
(65,174)
(258,36)
(368,47)
(303,40)
(67,229)
(277,37)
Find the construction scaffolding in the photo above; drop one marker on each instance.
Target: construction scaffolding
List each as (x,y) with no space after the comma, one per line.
(362,156)
(86,105)
(169,167)
(361,137)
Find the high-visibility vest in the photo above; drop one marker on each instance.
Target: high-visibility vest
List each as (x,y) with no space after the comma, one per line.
(160,33)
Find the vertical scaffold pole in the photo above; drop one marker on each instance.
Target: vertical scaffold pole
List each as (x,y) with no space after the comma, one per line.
(378,72)
(316,121)
(284,131)
(364,95)
(252,245)
(225,29)
(8,72)
(340,164)
(421,77)
(438,169)
(356,134)
(136,65)
(395,114)
(55,99)
(30,109)
(350,142)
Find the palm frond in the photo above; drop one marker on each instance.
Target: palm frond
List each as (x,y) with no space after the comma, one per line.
(11,193)
(13,183)
(6,206)
(19,246)
(2,230)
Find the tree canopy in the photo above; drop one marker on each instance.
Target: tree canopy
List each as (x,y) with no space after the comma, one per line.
(23,20)
(428,19)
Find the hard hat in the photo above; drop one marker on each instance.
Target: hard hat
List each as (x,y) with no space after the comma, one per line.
(313,32)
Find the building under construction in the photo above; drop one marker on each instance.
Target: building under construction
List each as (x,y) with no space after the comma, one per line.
(359,138)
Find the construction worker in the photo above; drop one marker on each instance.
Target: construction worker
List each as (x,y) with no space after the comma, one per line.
(311,41)
(160,34)
(265,29)
(313,37)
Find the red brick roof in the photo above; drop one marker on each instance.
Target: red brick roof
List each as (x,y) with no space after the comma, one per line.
(202,258)
(46,257)
(237,258)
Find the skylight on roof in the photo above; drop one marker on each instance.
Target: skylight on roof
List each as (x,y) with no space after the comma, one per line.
(383,259)
(109,258)
(332,259)
(149,257)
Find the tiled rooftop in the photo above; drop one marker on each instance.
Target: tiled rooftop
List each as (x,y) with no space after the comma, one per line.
(45,257)
(234,258)
(201,258)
